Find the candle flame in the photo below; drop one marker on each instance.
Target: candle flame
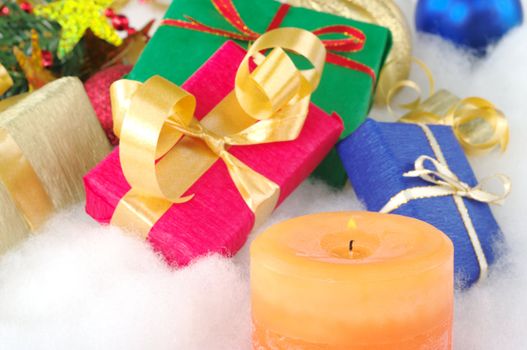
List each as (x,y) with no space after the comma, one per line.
(352,224)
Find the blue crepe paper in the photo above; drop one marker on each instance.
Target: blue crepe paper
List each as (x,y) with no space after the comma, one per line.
(375,157)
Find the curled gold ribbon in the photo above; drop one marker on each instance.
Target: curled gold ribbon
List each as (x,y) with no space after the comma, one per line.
(412,85)
(5,80)
(164,150)
(23,184)
(446,183)
(478,125)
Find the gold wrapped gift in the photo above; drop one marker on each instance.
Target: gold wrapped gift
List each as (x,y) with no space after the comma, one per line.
(48,141)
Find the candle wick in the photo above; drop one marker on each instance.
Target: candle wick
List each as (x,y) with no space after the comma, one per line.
(351,246)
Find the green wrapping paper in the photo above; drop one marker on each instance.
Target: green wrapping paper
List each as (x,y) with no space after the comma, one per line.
(175,53)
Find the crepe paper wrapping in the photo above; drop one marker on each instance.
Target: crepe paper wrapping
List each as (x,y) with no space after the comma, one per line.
(58,133)
(378,154)
(382,12)
(217,220)
(175,53)
(98,90)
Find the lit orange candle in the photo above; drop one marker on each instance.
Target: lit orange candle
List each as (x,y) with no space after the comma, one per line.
(352,280)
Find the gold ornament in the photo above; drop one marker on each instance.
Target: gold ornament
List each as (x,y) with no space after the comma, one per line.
(382,12)
(36,75)
(75,17)
(5,80)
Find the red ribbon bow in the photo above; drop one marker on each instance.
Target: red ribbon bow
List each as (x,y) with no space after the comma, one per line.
(353,42)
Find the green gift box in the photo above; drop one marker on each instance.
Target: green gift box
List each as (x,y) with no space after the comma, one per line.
(176,53)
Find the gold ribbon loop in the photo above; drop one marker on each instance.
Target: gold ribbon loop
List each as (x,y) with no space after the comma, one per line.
(164,150)
(412,85)
(478,125)
(146,137)
(18,176)
(121,93)
(278,83)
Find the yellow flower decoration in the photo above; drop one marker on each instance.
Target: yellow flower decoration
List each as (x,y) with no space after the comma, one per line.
(75,17)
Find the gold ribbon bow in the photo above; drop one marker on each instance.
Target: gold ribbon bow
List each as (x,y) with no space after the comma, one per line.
(164,150)
(478,125)
(446,183)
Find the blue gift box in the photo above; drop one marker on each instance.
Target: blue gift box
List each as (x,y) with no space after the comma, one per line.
(378,154)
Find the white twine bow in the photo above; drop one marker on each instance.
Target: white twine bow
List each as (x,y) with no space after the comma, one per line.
(446,183)
(451,185)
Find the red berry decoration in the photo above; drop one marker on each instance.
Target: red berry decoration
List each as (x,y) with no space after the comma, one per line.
(109,13)
(120,22)
(4,10)
(26,6)
(47,59)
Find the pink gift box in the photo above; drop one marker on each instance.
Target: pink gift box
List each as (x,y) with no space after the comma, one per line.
(217,220)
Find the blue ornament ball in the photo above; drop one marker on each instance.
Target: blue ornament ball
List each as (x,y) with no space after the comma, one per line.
(473,24)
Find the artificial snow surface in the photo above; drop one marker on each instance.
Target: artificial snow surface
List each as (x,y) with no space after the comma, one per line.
(76,285)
